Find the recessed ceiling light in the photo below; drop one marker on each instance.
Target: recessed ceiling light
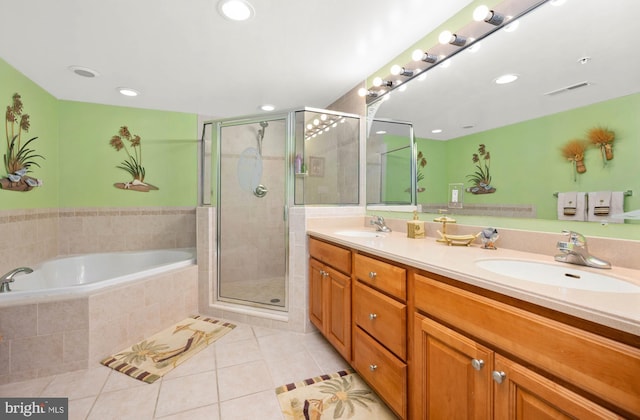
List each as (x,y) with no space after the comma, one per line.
(84,71)
(238,10)
(436,131)
(267,107)
(506,78)
(128,91)
(381,132)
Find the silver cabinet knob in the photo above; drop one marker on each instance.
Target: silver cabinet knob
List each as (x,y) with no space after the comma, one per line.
(372,275)
(373,316)
(477,364)
(498,376)
(373,368)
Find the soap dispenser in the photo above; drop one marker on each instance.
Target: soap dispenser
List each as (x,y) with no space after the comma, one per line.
(415,227)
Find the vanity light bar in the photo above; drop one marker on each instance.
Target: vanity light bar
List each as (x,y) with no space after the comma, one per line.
(453,43)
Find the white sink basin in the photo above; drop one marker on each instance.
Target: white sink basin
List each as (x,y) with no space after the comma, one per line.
(360,233)
(566,277)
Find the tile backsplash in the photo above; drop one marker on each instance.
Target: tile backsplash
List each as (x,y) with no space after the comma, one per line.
(35,235)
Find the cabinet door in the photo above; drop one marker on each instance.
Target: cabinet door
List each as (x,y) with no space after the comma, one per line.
(523,394)
(316,294)
(338,317)
(454,381)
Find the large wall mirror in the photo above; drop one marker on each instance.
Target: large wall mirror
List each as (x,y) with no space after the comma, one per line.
(576,70)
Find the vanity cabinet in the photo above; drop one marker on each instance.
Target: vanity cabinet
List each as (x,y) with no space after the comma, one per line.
(330,293)
(475,357)
(380,329)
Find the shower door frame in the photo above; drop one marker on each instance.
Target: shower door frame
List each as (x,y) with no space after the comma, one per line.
(288,118)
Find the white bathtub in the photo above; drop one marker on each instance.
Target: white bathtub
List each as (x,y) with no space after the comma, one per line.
(79,274)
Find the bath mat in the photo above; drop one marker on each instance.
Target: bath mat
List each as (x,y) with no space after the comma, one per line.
(340,395)
(152,358)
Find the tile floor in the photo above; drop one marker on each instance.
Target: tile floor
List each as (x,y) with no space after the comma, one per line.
(232,379)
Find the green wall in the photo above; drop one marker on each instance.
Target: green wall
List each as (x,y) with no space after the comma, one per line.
(79,169)
(526,162)
(43,112)
(89,170)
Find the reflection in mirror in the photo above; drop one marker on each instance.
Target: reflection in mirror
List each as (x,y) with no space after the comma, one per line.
(574,75)
(389,163)
(326,157)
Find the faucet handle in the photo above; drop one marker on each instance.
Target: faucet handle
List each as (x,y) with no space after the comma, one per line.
(575,237)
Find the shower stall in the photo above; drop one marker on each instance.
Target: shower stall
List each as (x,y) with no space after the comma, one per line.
(257,169)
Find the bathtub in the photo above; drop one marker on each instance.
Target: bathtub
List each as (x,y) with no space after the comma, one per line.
(81,274)
(76,310)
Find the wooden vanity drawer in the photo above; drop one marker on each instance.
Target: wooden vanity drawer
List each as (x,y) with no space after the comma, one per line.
(381,275)
(602,367)
(386,374)
(335,256)
(382,317)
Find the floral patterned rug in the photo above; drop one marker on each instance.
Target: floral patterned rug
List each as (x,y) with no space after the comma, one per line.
(152,358)
(341,395)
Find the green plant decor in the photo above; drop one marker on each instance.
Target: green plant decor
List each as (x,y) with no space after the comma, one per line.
(133,163)
(421,162)
(20,157)
(481,178)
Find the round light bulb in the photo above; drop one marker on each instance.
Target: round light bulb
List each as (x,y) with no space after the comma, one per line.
(309,126)
(362,92)
(480,13)
(417,55)
(396,69)
(445,37)
(323,117)
(316,121)
(238,10)
(377,81)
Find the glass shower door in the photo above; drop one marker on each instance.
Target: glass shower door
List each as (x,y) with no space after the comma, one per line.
(252,230)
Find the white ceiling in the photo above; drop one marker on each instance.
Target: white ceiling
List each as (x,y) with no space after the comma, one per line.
(183,56)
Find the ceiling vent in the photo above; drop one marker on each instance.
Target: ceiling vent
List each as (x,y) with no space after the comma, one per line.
(568,88)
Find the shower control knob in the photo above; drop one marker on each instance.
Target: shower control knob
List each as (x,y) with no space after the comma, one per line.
(372,275)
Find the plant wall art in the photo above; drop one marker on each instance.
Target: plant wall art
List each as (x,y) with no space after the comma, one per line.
(602,138)
(133,161)
(481,178)
(421,162)
(573,151)
(20,156)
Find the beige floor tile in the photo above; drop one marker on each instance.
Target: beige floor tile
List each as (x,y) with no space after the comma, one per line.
(263,405)
(237,352)
(30,388)
(240,380)
(208,412)
(186,393)
(117,381)
(79,384)
(132,403)
(281,345)
(295,367)
(239,333)
(79,409)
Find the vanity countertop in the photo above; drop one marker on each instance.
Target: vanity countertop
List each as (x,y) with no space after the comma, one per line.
(617,310)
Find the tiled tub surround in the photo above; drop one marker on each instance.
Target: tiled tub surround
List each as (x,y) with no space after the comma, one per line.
(46,337)
(31,236)
(620,311)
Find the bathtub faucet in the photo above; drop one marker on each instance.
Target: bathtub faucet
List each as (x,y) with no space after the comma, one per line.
(9,278)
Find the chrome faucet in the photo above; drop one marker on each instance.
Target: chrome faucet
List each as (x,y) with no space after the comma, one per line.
(9,278)
(378,221)
(575,251)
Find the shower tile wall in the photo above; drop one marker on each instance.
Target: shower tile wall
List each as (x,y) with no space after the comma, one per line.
(31,236)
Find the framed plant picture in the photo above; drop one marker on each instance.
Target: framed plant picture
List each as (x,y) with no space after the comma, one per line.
(316,166)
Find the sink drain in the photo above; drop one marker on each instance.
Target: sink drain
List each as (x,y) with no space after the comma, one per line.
(275,300)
